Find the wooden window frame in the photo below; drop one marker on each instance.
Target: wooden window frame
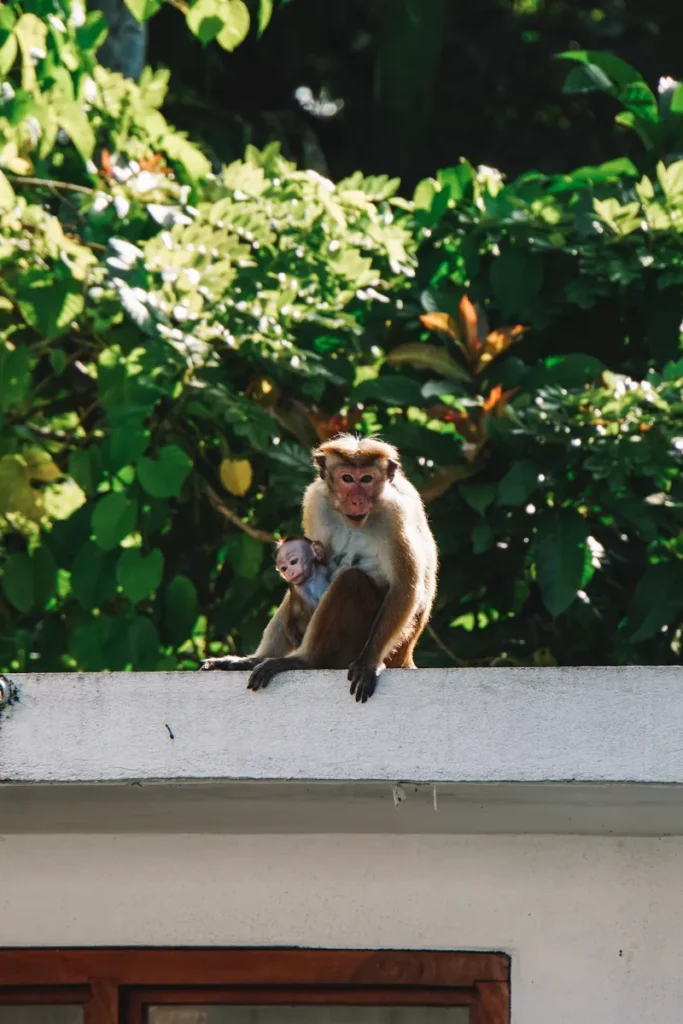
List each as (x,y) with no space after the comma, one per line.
(115,985)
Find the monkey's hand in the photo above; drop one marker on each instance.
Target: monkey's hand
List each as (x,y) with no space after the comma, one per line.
(271,667)
(229,663)
(363,678)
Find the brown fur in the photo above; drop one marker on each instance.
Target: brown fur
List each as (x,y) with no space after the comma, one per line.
(384,575)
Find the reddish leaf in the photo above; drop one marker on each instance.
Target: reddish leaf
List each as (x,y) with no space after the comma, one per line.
(497,342)
(440,322)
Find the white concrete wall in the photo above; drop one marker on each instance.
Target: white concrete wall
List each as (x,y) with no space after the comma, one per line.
(436,725)
(594,925)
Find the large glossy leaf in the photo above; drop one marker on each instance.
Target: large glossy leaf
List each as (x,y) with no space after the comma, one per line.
(163,477)
(657,601)
(139,574)
(562,559)
(427,357)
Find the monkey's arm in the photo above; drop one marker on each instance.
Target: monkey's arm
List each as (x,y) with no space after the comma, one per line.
(394,614)
(274,644)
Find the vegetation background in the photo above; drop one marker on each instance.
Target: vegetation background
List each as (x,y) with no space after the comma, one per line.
(398,216)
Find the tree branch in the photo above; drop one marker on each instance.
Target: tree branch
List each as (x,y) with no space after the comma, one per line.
(233,517)
(19,179)
(442,646)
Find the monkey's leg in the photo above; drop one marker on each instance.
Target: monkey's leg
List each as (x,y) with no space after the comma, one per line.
(230,663)
(337,632)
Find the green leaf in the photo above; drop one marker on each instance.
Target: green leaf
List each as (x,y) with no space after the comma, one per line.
(75,123)
(482,538)
(604,72)
(93,576)
(657,601)
(91,35)
(7,196)
(8,53)
(265,13)
(570,371)
(29,581)
(196,165)
(516,277)
(392,389)
(50,306)
(478,496)
(561,554)
(44,570)
(142,10)
(236,25)
(127,445)
(85,466)
(518,483)
(164,477)
(614,68)
(428,357)
(245,555)
(17,581)
(143,643)
(15,376)
(31,34)
(181,610)
(139,575)
(204,19)
(113,518)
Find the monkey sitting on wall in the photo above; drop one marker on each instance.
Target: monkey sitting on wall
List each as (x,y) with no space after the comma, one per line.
(301,563)
(383,561)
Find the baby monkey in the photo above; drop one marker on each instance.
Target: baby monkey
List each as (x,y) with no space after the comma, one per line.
(301,563)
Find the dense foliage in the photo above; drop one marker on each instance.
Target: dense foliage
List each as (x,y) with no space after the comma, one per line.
(173,339)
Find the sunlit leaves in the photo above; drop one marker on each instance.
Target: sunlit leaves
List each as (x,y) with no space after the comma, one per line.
(164,476)
(143,9)
(226,21)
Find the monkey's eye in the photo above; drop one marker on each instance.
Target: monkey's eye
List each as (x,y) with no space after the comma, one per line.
(347,478)
(295,561)
(366,479)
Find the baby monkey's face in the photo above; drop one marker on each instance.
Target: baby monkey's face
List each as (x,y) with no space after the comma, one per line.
(295,560)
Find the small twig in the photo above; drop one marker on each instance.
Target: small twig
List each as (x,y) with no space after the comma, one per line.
(50,183)
(180,5)
(233,517)
(442,646)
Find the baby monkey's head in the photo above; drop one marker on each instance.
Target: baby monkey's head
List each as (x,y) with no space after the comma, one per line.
(296,559)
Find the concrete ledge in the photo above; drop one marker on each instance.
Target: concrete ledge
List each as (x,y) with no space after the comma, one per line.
(568,750)
(489,725)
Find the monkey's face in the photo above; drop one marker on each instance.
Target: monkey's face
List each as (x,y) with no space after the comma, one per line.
(354,491)
(294,561)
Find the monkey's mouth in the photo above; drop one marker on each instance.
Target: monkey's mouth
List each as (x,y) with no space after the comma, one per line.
(357,520)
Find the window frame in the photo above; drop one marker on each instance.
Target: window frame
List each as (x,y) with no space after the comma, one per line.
(115,985)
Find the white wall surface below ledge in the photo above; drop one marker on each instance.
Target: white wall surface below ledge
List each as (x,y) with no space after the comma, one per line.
(441,725)
(593,926)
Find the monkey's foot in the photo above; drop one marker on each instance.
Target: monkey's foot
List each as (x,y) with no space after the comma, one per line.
(271,667)
(229,663)
(363,679)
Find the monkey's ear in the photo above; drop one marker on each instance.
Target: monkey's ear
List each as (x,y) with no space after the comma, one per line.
(392,466)
(321,463)
(318,550)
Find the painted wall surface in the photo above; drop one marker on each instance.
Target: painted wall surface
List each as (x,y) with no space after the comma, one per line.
(593,924)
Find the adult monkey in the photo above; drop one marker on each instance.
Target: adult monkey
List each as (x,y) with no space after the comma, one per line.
(383,562)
